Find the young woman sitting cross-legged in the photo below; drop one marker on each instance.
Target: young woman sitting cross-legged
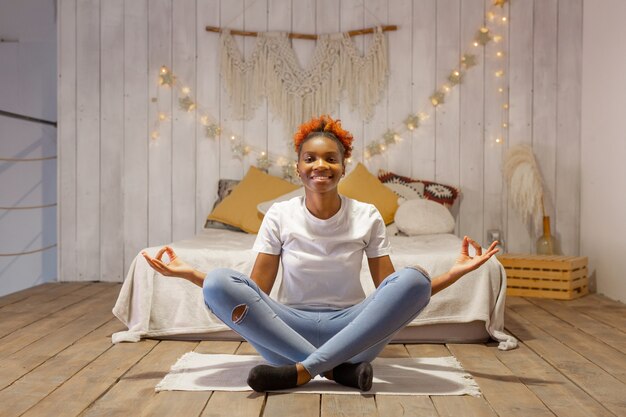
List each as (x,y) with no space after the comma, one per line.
(324,325)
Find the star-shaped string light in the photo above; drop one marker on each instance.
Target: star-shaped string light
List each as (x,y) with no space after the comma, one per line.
(412,121)
(166,77)
(438,98)
(212,131)
(186,103)
(468,61)
(455,77)
(483,36)
(500,3)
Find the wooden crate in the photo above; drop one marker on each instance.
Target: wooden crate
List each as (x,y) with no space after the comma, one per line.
(545,276)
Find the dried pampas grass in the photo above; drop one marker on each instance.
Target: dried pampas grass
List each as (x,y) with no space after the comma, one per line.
(524,180)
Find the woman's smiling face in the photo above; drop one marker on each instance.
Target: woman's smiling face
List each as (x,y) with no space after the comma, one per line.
(320,164)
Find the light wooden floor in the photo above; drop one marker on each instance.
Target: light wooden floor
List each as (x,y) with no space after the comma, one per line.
(56,359)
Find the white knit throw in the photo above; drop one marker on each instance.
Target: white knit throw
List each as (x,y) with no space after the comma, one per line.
(295,94)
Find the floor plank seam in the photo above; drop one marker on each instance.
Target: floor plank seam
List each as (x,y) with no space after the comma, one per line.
(583,354)
(564,375)
(60,310)
(535,303)
(117,380)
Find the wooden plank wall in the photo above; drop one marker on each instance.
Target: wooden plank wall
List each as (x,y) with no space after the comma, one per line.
(120,191)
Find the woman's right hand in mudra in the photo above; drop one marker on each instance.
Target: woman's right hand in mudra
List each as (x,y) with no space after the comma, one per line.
(174,268)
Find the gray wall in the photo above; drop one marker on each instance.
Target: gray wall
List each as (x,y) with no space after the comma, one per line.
(27,86)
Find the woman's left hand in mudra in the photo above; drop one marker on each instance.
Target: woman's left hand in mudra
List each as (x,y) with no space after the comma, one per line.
(466,263)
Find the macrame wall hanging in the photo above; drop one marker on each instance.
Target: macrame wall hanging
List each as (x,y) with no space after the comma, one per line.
(295,94)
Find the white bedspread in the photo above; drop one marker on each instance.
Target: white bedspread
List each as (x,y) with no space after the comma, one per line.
(152,305)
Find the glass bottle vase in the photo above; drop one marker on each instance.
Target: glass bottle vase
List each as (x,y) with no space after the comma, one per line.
(546,244)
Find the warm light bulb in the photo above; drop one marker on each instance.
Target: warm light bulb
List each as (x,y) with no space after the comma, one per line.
(204,120)
(382,147)
(475,43)
(154,134)
(500,90)
(499,73)
(491,15)
(503,19)
(262,153)
(186,90)
(163,70)
(232,137)
(499,54)
(505,106)
(505,125)
(497,38)
(162,116)
(446,87)
(348,160)
(498,140)
(397,138)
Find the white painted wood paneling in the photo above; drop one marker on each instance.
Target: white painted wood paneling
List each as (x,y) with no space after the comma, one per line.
(137,91)
(160,150)
(255,129)
(183,122)
(544,99)
(568,130)
(208,87)
(278,19)
(424,79)
(231,16)
(88,88)
(447,116)
(471,91)
(112,140)
(352,16)
(520,110)
(66,140)
(397,101)
(495,203)
(376,13)
(120,191)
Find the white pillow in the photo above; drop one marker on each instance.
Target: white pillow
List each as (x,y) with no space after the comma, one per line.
(265,206)
(423,217)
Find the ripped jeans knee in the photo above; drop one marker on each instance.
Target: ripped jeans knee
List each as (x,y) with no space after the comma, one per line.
(239,313)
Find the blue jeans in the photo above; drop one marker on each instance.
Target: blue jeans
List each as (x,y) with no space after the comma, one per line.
(320,339)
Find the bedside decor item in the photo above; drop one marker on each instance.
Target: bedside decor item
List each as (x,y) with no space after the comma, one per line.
(526,190)
(542,276)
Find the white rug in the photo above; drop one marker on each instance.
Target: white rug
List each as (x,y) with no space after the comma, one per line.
(392,376)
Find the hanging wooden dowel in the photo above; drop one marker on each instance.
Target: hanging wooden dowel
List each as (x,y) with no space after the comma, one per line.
(357,32)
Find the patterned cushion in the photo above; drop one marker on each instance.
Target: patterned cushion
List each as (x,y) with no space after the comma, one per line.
(430,190)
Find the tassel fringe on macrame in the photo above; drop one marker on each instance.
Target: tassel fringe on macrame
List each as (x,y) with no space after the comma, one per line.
(294,94)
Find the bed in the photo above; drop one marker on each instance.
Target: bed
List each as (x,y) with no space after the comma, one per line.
(154,306)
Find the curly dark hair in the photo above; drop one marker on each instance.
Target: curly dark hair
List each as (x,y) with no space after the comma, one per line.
(324,126)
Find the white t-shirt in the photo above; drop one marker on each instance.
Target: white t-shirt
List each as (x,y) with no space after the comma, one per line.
(321,259)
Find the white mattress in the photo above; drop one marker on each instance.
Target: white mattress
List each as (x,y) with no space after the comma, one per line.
(155,306)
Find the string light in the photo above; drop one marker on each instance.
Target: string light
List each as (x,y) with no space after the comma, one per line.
(213,129)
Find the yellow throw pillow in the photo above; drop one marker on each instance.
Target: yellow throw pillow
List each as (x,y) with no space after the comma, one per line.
(239,209)
(361,185)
